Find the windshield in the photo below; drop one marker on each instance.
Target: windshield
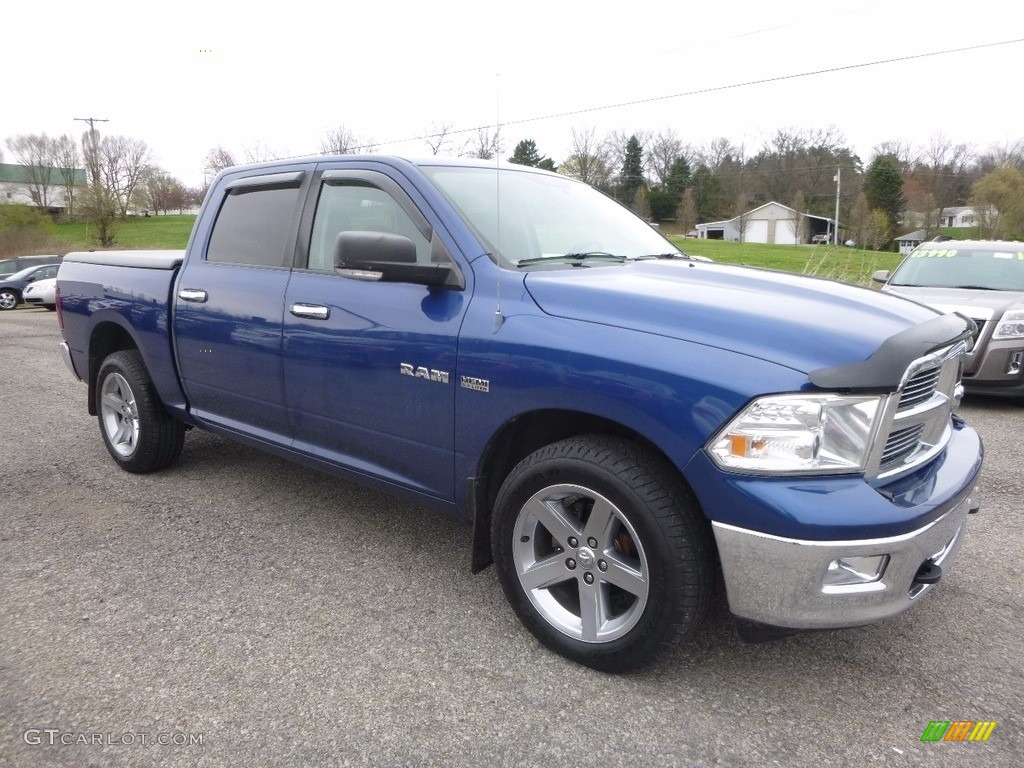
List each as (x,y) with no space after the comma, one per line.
(539,217)
(23,273)
(981,268)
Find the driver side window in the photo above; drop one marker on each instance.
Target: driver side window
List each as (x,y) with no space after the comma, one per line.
(361,208)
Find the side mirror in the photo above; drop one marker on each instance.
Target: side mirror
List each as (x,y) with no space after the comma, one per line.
(384,257)
(881,276)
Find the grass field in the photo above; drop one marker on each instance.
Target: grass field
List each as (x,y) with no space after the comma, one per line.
(151,232)
(850,265)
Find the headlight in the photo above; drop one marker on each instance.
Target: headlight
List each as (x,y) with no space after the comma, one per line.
(1011,325)
(793,434)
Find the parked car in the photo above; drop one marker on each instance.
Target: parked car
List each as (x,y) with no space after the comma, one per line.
(821,240)
(42,293)
(983,280)
(9,266)
(13,287)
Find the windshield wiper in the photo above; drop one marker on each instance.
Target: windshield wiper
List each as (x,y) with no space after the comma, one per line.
(573,258)
(975,287)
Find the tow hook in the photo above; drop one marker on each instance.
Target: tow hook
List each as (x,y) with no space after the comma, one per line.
(928,573)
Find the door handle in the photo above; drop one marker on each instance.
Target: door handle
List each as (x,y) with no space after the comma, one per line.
(191,294)
(312,311)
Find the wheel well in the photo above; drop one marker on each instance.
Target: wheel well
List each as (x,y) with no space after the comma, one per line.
(517,440)
(106,339)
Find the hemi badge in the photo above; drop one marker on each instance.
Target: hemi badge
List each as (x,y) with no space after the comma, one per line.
(477,385)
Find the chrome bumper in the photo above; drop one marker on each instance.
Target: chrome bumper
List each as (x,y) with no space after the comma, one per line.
(782,582)
(65,352)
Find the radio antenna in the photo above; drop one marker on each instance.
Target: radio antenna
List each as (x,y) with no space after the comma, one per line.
(499,319)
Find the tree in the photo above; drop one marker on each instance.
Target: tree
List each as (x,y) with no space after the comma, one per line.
(342,141)
(216,160)
(97,206)
(259,153)
(440,140)
(640,205)
(709,195)
(124,162)
(631,175)
(36,154)
(800,225)
(588,161)
(664,150)
(883,187)
(67,160)
(485,145)
(164,192)
(998,202)
(526,153)
(687,211)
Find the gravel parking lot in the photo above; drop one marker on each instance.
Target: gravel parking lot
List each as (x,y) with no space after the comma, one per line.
(247,611)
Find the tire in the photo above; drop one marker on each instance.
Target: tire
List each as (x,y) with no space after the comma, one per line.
(9,299)
(139,434)
(602,551)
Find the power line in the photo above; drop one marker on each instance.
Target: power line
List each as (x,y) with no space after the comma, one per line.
(714,89)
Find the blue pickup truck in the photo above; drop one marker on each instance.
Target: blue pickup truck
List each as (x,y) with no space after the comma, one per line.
(624,426)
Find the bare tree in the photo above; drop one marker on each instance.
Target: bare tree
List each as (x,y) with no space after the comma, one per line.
(662,150)
(800,223)
(216,160)
(589,161)
(440,137)
(124,162)
(67,159)
(259,153)
(163,191)
(36,154)
(485,145)
(342,141)
(945,171)
(687,212)
(905,153)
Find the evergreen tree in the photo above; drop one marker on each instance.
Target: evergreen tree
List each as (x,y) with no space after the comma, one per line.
(679,178)
(526,153)
(883,187)
(632,174)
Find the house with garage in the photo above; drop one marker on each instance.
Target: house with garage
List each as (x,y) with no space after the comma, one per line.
(38,186)
(769,223)
(910,241)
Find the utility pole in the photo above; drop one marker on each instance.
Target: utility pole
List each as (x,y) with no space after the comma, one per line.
(838,181)
(95,165)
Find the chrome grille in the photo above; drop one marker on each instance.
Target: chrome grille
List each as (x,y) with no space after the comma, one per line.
(917,418)
(919,388)
(901,443)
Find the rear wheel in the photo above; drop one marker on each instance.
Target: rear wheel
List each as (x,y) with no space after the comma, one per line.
(602,551)
(139,434)
(8,299)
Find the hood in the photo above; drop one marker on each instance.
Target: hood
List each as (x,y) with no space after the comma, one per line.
(800,322)
(977,305)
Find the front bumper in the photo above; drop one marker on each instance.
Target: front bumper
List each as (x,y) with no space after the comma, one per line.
(782,582)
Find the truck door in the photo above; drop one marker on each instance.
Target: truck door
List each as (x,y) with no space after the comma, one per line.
(370,366)
(229,303)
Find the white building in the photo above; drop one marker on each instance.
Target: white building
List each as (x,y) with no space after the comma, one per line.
(770,223)
(18,186)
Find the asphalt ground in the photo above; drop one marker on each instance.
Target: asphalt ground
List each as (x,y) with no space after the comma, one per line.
(250,612)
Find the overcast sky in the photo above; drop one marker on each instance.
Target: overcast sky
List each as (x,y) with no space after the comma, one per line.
(187,76)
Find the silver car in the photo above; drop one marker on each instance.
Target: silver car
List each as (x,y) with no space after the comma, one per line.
(984,280)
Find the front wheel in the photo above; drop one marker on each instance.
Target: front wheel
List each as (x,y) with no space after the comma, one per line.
(602,551)
(139,434)
(8,299)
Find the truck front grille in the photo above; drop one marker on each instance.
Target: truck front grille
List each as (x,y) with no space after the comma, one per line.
(917,420)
